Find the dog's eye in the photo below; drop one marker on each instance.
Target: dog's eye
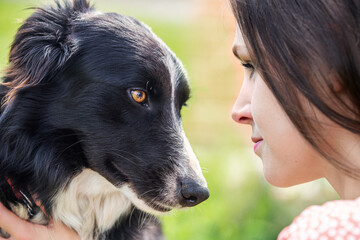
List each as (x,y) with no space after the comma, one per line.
(139,96)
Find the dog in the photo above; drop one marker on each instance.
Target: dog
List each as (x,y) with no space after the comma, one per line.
(90,125)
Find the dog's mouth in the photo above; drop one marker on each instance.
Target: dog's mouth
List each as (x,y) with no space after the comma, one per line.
(152,207)
(160,207)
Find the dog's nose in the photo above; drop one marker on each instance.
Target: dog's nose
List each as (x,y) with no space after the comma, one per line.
(193,193)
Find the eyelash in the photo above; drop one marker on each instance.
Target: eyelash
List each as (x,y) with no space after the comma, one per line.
(250,67)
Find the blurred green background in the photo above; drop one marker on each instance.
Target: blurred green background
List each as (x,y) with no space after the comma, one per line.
(242,204)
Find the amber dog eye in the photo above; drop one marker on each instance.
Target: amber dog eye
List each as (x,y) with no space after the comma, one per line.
(139,96)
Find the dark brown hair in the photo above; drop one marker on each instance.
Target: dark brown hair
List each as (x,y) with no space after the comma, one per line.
(304,49)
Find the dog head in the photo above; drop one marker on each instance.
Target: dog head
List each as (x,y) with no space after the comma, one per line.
(108,89)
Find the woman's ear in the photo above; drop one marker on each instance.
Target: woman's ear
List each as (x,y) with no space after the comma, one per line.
(335,81)
(337,86)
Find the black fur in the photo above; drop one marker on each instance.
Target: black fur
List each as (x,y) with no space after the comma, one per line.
(66,106)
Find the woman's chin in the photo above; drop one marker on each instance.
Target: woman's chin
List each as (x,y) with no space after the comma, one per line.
(281,181)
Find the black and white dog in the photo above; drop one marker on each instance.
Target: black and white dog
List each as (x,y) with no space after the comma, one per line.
(90,125)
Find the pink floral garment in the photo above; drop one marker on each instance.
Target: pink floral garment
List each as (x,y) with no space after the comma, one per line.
(335,220)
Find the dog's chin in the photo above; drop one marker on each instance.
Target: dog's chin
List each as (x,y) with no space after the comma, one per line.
(154,208)
(160,208)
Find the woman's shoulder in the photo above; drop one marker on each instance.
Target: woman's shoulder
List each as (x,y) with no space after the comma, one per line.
(333,220)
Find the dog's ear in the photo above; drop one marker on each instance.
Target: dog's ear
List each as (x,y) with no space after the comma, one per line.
(43,44)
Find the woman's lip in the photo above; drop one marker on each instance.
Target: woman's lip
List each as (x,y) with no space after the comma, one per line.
(257,144)
(256,139)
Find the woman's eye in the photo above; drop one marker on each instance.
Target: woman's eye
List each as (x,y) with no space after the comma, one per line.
(248,65)
(138,96)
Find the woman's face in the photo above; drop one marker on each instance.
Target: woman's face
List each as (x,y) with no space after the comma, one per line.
(288,159)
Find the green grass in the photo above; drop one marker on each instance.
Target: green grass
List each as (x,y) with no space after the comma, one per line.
(10,13)
(242,205)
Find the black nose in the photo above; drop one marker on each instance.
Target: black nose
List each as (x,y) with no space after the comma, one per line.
(192,194)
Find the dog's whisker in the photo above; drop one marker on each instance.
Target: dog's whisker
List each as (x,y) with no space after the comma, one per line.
(70,146)
(127,159)
(205,169)
(131,214)
(131,154)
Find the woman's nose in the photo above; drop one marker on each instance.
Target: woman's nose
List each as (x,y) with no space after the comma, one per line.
(241,112)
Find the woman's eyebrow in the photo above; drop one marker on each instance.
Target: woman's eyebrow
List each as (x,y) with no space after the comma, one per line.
(241,53)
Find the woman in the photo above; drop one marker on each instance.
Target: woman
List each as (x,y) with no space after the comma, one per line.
(301,96)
